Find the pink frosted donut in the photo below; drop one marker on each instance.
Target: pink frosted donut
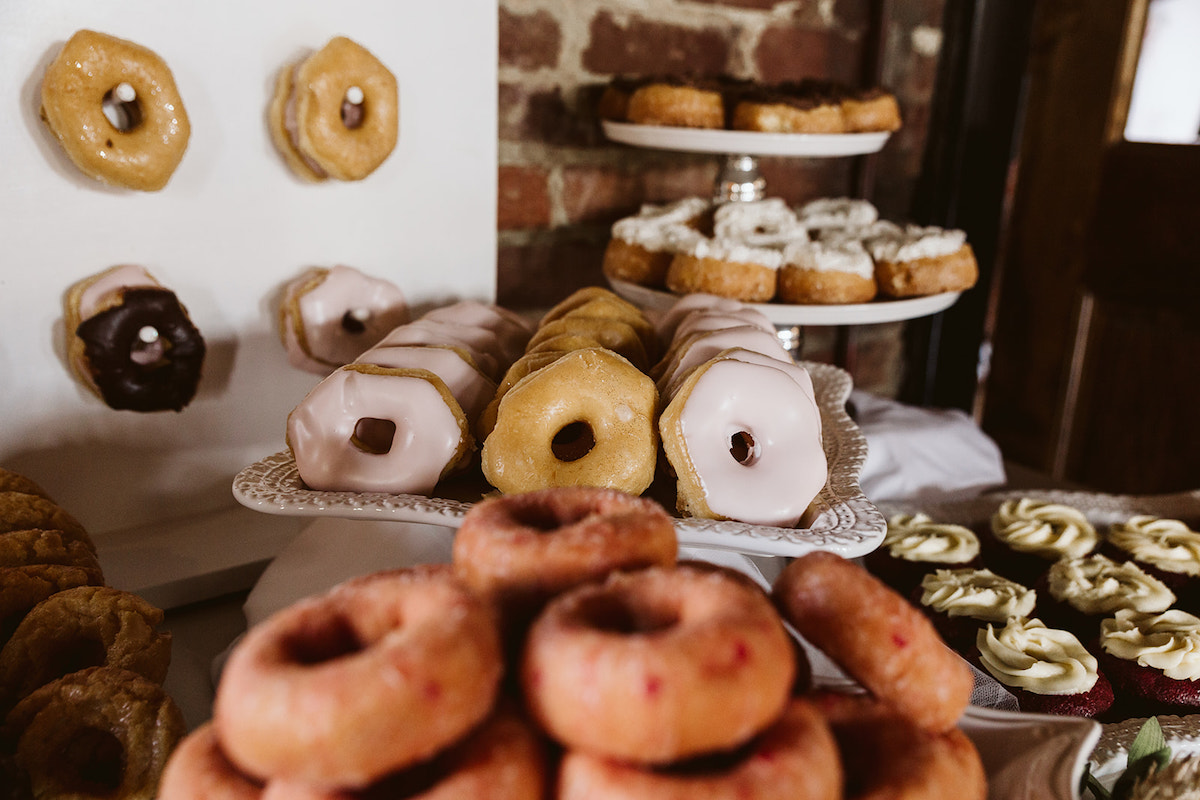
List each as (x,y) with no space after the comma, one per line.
(743,435)
(377,674)
(697,301)
(658,665)
(471,388)
(719,320)
(480,343)
(373,429)
(329,316)
(199,770)
(512,330)
(700,346)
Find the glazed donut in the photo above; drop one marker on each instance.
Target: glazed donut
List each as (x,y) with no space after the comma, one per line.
(726,268)
(198,769)
(328,317)
(609,332)
(677,103)
(743,437)
(131,342)
(715,321)
(923,261)
(85,626)
(891,649)
(373,429)
(795,758)
(98,732)
(758,223)
(336,113)
(471,388)
(503,759)
(530,362)
(606,308)
(586,419)
(144,146)
(887,757)
(410,658)
(519,550)
(827,272)
(639,667)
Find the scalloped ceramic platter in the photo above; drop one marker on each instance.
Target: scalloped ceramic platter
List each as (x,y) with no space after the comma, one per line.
(705,140)
(1111,755)
(872,313)
(840,519)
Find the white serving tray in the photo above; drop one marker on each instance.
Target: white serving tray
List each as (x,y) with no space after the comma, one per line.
(704,140)
(840,519)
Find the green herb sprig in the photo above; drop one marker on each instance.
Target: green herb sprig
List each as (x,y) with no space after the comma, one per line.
(1148,752)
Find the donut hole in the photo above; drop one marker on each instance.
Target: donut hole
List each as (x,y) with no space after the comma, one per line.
(92,763)
(374,436)
(743,448)
(148,348)
(354,321)
(124,115)
(353,111)
(544,519)
(324,640)
(614,614)
(573,441)
(73,655)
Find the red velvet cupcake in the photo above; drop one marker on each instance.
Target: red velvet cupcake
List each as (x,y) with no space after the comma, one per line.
(960,602)
(1154,660)
(915,546)
(1028,535)
(1168,549)
(1078,593)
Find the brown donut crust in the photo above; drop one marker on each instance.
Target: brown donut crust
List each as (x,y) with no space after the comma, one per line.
(891,648)
(750,283)
(22,588)
(20,511)
(638,667)
(823,287)
(15,482)
(679,106)
(55,727)
(40,546)
(955,272)
(629,261)
(89,65)
(84,626)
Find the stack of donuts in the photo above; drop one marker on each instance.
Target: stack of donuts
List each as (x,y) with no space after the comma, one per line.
(566,653)
(81,664)
(828,251)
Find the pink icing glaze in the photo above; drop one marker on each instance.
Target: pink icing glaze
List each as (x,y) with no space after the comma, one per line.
(321,432)
(787,467)
(471,388)
(125,276)
(685,305)
(480,343)
(708,344)
(346,313)
(707,320)
(510,328)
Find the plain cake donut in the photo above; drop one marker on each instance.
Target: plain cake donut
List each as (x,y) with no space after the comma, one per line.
(410,657)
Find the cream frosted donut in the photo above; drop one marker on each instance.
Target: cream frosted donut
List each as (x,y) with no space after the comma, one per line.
(796,757)
(335,114)
(827,272)
(481,344)
(642,246)
(640,666)
(704,345)
(586,419)
(378,673)
(744,441)
(198,769)
(923,261)
(330,316)
(471,388)
(143,146)
(511,329)
(837,212)
(759,223)
(725,267)
(372,429)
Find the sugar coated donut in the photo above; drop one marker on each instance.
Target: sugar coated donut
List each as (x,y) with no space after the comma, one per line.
(891,648)
(145,143)
(408,657)
(586,419)
(85,626)
(825,272)
(131,341)
(373,429)
(198,769)
(639,667)
(743,436)
(519,550)
(98,732)
(336,113)
(328,317)
(796,757)
(15,482)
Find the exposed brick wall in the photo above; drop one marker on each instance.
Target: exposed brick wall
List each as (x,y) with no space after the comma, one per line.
(562,184)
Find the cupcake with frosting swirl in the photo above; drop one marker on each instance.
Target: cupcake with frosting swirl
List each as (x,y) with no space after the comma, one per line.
(915,545)
(960,602)
(1077,593)
(1048,670)
(1168,549)
(1154,660)
(1028,535)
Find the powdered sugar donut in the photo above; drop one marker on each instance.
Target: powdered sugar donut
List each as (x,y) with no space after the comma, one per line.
(329,316)
(827,272)
(372,429)
(725,267)
(470,387)
(744,441)
(923,261)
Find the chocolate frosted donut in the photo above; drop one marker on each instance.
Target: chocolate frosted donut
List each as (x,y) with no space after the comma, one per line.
(143,354)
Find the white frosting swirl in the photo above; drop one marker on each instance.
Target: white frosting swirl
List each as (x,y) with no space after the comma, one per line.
(661,227)
(1028,655)
(976,593)
(733,250)
(917,242)
(830,256)
(1050,530)
(916,537)
(1099,585)
(1169,641)
(1168,544)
